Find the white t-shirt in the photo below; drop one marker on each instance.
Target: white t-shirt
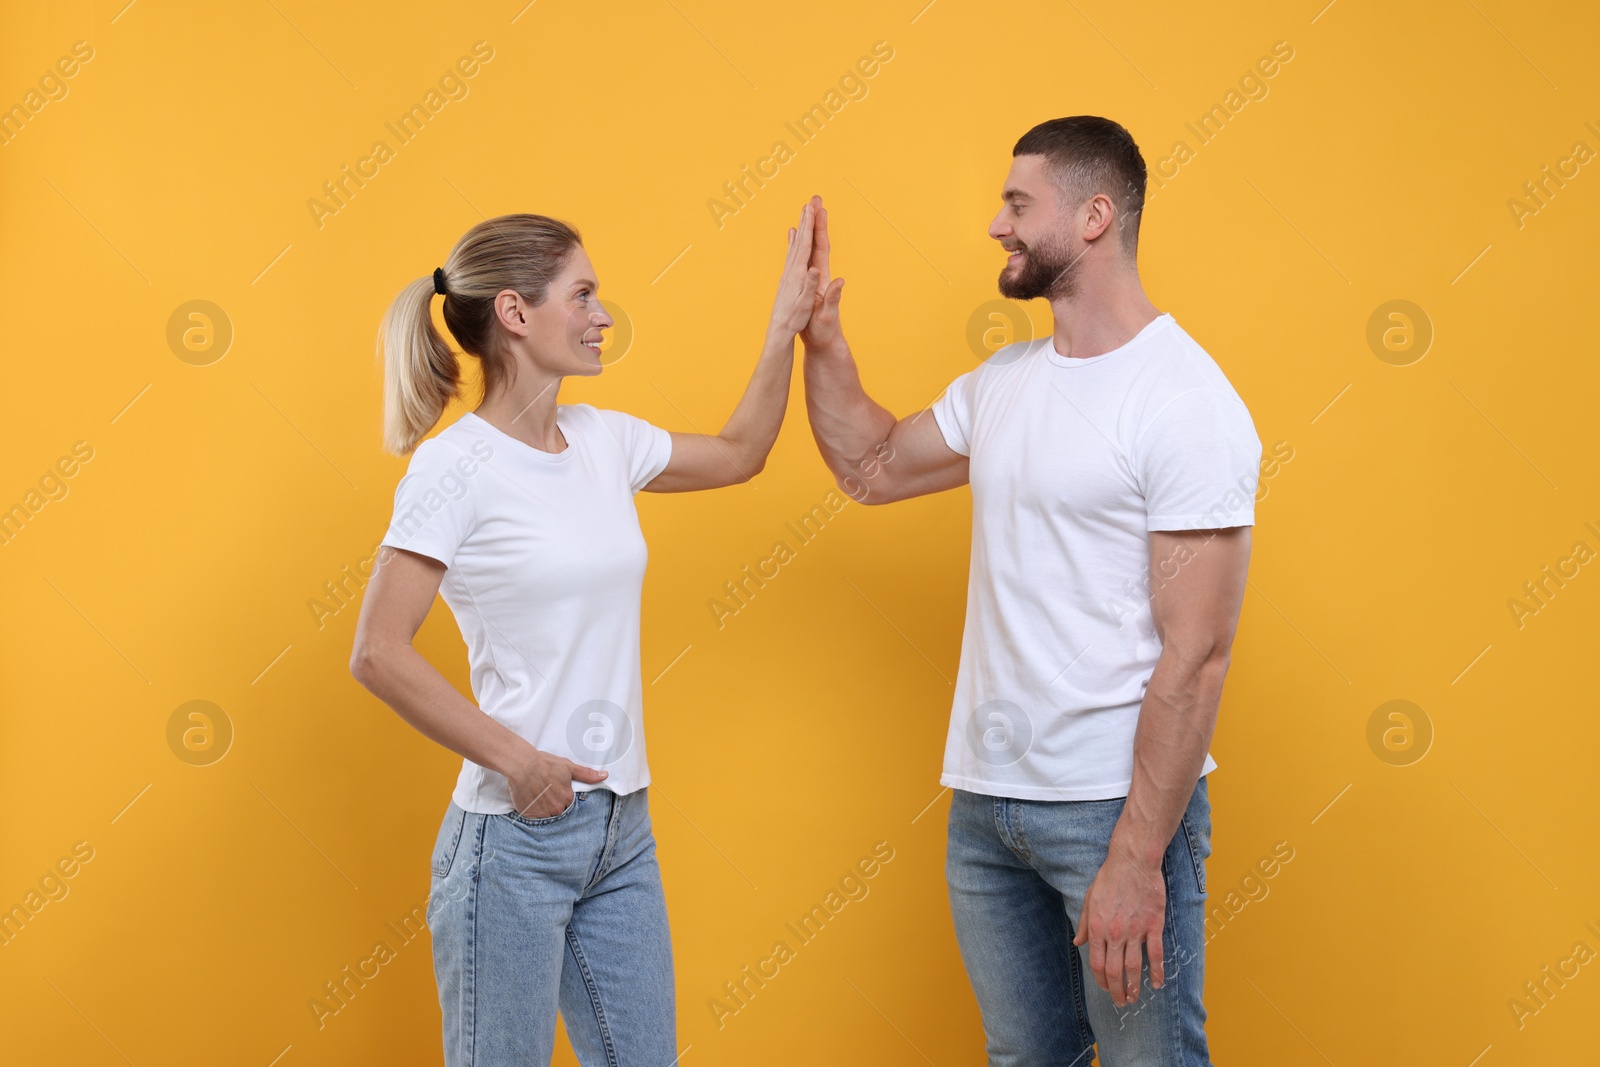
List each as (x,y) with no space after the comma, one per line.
(545,565)
(1073,463)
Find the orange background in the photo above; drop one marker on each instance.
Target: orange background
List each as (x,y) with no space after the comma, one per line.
(226,487)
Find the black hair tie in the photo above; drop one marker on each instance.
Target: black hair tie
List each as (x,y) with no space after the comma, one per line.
(438,280)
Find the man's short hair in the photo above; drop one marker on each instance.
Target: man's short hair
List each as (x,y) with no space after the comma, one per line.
(1087,154)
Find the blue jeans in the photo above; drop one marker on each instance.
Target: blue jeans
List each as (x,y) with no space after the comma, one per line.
(532,916)
(1018,871)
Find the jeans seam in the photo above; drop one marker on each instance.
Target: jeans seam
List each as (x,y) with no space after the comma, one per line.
(1194,856)
(594,995)
(471,976)
(1003,808)
(1171,1020)
(453,848)
(1020,809)
(1075,979)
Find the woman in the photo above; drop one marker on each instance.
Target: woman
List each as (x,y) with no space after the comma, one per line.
(546,894)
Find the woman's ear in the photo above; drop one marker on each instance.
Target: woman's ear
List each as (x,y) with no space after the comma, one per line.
(511,310)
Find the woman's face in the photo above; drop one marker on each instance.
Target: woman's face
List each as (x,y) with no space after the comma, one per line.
(564,332)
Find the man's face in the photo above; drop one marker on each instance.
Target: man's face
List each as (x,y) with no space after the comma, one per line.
(1032,227)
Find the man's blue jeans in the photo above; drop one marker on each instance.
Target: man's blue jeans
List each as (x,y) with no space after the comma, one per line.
(532,915)
(1018,871)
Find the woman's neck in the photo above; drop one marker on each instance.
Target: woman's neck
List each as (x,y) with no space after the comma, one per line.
(527,412)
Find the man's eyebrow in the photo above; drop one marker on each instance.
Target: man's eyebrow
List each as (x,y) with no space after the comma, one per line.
(1015,194)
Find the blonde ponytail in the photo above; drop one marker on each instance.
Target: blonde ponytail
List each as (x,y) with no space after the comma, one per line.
(524,253)
(420,372)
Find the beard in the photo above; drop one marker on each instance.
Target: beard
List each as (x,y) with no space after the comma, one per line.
(1046,271)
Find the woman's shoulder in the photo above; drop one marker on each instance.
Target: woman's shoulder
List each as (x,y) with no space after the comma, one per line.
(577,411)
(617,422)
(461,440)
(634,441)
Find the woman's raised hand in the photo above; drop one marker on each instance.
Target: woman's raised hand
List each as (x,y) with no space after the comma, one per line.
(797,287)
(701,461)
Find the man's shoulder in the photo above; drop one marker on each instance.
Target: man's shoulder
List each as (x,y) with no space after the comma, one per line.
(1175,374)
(1175,363)
(1010,362)
(1172,351)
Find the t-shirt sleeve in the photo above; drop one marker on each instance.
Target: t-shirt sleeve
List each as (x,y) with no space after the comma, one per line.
(435,502)
(646,448)
(953,412)
(1198,463)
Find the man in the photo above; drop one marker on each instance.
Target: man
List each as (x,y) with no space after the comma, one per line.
(1113,472)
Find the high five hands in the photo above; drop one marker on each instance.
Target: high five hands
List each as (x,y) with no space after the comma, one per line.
(797,286)
(823,328)
(808,301)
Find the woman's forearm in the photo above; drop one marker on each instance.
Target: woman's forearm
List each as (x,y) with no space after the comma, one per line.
(403,679)
(702,461)
(753,427)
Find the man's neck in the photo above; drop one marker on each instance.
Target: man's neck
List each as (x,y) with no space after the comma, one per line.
(1105,313)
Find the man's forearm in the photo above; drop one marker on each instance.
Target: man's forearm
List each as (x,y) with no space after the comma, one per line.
(1176,722)
(849,426)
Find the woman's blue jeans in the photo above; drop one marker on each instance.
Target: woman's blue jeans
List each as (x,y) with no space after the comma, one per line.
(532,916)
(1018,871)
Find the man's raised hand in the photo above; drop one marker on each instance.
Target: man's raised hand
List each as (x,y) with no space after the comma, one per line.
(823,329)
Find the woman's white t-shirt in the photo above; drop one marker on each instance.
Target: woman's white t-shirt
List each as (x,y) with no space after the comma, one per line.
(545,564)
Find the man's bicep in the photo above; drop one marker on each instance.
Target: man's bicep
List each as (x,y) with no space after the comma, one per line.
(1197,582)
(913,460)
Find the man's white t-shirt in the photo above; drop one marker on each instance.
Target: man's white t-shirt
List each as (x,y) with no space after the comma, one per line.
(545,563)
(1073,463)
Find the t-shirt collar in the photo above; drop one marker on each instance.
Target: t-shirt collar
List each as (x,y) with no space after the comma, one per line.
(1143,335)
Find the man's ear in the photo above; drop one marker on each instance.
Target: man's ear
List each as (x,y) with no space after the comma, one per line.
(1099,213)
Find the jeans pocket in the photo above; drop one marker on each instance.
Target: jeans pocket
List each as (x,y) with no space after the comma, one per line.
(449,840)
(517,816)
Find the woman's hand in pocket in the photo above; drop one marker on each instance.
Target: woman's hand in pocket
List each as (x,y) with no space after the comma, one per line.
(541,788)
